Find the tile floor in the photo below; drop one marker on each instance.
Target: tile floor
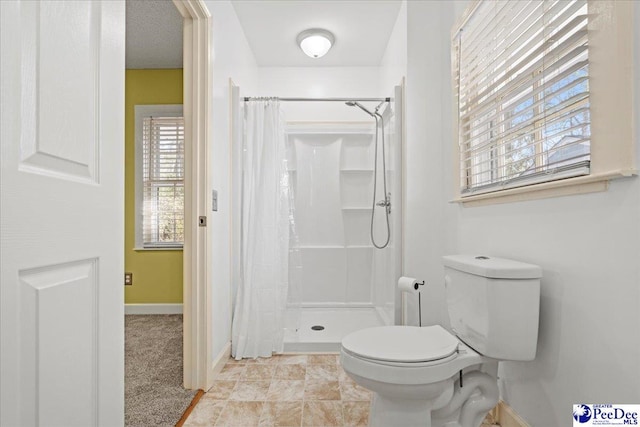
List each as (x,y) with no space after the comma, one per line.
(286,390)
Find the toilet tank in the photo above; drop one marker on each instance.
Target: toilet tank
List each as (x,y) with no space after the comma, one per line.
(494,304)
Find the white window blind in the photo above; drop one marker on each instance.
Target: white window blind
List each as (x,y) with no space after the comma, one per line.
(163,182)
(521,71)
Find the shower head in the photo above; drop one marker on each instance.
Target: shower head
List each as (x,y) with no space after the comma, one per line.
(362,107)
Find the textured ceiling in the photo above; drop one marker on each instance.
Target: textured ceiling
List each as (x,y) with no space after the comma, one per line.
(154,34)
(361,27)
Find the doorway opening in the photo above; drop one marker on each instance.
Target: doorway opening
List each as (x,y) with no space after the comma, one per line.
(165,178)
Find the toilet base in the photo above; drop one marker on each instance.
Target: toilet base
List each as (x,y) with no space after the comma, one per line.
(396,412)
(409,413)
(454,406)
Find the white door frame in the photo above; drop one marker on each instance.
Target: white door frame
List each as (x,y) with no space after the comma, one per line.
(197,337)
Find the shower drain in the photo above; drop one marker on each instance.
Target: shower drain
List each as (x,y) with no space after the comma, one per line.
(317,328)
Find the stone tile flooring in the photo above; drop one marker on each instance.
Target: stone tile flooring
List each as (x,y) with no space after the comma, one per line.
(285,390)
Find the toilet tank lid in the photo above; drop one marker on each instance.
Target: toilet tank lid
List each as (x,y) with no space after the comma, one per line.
(491,267)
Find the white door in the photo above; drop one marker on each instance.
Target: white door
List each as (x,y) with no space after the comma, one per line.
(62,100)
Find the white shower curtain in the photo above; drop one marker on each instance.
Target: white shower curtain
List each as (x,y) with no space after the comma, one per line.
(259,314)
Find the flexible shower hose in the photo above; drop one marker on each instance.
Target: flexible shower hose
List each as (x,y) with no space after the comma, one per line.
(384,181)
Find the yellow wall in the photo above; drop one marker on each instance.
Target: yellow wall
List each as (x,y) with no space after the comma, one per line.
(157,275)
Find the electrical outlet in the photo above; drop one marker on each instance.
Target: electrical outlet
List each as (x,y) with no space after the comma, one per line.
(128,279)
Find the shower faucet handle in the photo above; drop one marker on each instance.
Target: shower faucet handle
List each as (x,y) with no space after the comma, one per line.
(385,203)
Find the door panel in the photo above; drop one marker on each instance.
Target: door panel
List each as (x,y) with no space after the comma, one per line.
(61,216)
(47,355)
(60,71)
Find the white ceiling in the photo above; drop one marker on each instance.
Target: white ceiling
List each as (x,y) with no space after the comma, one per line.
(361,28)
(154,34)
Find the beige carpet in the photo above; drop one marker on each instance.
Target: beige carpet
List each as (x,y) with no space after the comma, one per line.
(154,395)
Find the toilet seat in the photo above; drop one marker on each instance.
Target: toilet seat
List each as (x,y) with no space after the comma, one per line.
(399,345)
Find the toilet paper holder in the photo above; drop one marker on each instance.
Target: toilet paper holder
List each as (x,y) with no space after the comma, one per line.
(416,286)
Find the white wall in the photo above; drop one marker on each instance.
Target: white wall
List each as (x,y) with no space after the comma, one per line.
(321,82)
(427,130)
(588,246)
(388,263)
(232,58)
(393,66)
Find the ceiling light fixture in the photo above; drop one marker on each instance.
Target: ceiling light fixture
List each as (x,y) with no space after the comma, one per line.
(315,42)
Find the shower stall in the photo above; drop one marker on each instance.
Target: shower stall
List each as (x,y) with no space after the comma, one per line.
(345,241)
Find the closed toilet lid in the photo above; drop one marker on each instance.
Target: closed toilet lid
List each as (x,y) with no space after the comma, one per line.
(401,343)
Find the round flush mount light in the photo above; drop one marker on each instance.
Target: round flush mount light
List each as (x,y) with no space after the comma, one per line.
(315,42)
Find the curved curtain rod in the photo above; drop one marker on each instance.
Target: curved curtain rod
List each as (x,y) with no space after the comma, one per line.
(257,98)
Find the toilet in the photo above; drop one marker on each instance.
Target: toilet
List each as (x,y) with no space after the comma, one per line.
(432,377)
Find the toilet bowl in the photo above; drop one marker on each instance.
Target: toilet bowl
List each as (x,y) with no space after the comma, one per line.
(412,372)
(430,377)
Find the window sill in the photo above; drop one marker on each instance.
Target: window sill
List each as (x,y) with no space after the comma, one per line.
(158,249)
(565,187)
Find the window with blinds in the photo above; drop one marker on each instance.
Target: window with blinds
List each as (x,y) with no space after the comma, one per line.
(521,71)
(162,182)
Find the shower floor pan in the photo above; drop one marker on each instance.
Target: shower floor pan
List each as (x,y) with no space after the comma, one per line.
(337,323)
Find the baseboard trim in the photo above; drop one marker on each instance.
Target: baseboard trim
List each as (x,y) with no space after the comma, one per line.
(219,362)
(507,417)
(153,309)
